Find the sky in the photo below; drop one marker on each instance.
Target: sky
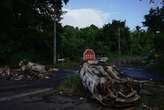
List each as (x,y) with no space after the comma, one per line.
(83,13)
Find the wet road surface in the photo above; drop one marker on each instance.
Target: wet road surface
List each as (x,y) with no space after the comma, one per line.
(22,101)
(140,73)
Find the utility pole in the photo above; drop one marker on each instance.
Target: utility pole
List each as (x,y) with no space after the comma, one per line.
(119,46)
(54,47)
(119,42)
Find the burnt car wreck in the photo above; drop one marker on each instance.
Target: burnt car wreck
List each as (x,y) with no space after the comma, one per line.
(106,84)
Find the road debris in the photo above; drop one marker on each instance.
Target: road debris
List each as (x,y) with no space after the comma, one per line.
(107,85)
(27,71)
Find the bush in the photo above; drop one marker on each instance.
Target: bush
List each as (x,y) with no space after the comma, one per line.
(72,85)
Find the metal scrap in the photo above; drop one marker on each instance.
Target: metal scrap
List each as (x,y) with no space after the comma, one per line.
(27,70)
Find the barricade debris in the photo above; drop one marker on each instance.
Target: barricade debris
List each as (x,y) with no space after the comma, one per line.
(27,70)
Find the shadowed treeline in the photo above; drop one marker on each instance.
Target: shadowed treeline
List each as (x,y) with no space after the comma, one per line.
(26,32)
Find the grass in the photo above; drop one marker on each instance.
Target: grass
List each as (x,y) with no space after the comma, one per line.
(157,68)
(67,65)
(116,57)
(71,85)
(156,99)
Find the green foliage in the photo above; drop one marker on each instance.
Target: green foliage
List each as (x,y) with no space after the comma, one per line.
(141,42)
(155,23)
(26,29)
(71,43)
(71,84)
(68,64)
(155,101)
(104,41)
(112,32)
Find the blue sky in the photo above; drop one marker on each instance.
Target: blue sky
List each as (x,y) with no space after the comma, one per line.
(83,13)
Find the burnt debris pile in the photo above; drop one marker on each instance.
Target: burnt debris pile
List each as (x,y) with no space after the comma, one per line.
(27,71)
(106,84)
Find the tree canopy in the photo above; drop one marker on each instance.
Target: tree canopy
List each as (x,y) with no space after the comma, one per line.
(154,21)
(26,31)
(26,28)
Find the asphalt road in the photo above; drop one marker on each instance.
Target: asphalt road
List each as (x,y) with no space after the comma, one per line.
(11,87)
(23,95)
(139,73)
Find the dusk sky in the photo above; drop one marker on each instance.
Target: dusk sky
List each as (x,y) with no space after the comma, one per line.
(82,13)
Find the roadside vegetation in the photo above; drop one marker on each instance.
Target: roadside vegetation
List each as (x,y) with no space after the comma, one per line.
(155,68)
(154,100)
(27,33)
(68,64)
(71,86)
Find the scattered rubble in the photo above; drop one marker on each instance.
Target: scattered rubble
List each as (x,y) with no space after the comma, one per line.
(107,85)
(27,70)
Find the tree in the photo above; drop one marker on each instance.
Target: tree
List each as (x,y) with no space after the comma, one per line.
(72,44)
(116,34)
(155,23)
(89,34)
(25,27)
(141,41)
